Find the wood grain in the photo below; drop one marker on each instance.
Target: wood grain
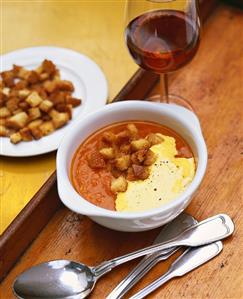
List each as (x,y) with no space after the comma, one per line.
(213,83)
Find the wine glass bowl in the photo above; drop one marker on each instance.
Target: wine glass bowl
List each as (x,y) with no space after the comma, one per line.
(162,36)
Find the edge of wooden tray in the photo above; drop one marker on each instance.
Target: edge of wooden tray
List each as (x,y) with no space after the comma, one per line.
(40,209)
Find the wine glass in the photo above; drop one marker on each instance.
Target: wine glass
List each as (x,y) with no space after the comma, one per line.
(163,36)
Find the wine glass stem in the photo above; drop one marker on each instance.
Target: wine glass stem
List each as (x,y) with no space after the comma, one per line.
(164,88)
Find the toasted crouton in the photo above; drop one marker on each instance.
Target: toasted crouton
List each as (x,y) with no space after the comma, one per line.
(26,134)
(109,137)
(35,124)
(17,121)
(108,153)
(23,93)
(4,132)
(140,172)
(123,162)
(119,184)
(46,128)
(96,161)
(154,138)
(125,148)
(133,130)
(46,105)
(36,132)
(140,144)
(60,119)
(6,91)
(4,112)
(15,137)
(73,101)
(123,137)
(65,85)
(8,78)
(50,86)
(33,77)
(139,156)
(12,104)
(150,158)
(34,113)
(22,73)
(34,99)
(48,66)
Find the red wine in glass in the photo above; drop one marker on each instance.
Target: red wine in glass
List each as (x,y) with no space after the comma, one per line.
(162,41)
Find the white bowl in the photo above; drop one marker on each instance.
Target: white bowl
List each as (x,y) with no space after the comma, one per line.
(181,120)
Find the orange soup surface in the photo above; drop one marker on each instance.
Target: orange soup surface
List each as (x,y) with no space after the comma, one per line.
(94,184)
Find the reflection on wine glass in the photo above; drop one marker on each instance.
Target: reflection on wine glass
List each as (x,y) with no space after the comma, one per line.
(163,36)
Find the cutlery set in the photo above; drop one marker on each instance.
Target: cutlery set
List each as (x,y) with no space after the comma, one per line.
(67,279)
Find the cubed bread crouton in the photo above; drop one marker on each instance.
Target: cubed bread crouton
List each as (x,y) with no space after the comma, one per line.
(184,152)
(108,153)
(12,104)
(22,84)
(36,132)
(60,119)
(115,172)
(58,97)
(34,99)
(50,86)
(4,112)
(130,174)
(119,185)
(22,73)
(150,158)
(15,138)
(73,101)
(33,77)
(46,105)
(96,161)
(6,91)
(154,138)
(125,148)
(24,105)
(139,156)
(34,113)
(35,124)
(23,93)
(4,132)
(47,127)
(48,66)
(65,85)
(123,137)
(140,172)
(8,78)
(109,137)
(2,121)
(43,76)
(26,134)
(64,108)
(132,130)
(140,144)
(17,121)
(122,163)
(17,111)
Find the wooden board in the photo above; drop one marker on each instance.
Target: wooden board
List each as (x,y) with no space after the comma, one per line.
(213,83)
(46,202)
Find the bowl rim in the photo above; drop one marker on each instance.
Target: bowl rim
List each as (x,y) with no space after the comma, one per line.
(71,198)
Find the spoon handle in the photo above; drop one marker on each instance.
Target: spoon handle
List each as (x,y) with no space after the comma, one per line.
(210,230)
(188,261)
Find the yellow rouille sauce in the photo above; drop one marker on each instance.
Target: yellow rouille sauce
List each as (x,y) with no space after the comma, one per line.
(169,176)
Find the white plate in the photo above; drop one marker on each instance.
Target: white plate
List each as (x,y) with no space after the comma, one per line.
(89,82)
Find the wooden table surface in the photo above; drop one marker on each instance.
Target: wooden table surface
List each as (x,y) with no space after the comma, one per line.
(94,28)
(214,84)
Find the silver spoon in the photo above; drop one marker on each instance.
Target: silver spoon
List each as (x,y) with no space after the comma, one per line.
(188,261)
(168,232)
(62,278)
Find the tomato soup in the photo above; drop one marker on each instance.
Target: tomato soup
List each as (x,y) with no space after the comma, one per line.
(94,184)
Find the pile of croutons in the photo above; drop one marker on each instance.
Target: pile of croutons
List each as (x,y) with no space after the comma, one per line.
(34,103)
(126,155)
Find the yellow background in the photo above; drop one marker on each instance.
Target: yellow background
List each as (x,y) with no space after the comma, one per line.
(94,28)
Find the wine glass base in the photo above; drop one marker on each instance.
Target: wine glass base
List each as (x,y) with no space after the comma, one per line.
(172,99)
